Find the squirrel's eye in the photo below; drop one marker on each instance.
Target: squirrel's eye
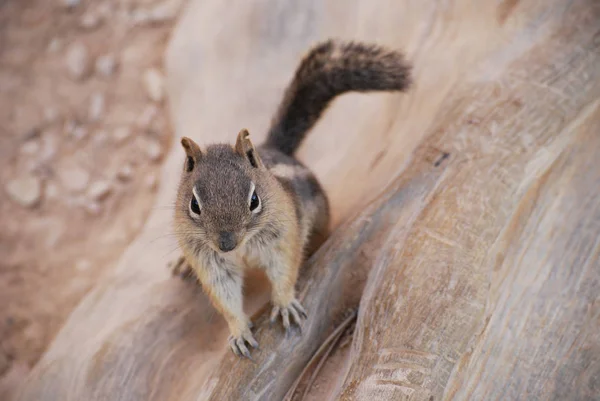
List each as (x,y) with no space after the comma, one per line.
(254,203)
(194,207)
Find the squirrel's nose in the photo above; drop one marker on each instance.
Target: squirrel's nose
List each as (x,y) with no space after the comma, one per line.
(227,241)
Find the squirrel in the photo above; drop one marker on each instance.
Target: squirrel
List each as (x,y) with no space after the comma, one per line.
(242,205)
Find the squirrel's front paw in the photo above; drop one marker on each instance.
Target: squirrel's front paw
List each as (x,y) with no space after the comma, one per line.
(294,308)
(238,343)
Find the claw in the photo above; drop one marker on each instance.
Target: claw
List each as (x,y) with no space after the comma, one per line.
(274,314)
(294,309)
(234,347)
(250,340)
(285,314)
(242,347)
(295,316)
(298,306)
(238,344)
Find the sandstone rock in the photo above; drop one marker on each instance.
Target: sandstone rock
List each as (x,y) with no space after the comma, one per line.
(25,190)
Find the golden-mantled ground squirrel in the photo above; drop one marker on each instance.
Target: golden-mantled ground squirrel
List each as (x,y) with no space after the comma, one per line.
(241,205)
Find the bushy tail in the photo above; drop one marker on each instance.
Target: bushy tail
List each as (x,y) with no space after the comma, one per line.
(328,70)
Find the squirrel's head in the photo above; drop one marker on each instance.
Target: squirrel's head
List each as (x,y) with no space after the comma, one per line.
(223,196)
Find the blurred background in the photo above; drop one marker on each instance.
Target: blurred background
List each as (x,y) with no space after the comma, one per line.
(82,134)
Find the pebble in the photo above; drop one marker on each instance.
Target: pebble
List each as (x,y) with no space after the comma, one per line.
(160,126)
(50,115)
(79,132)
(83,265)
(69,127)
(145,119)
(121,134)
(51,191)
(154,82)
(125,173)
(106,65)
(92,208)
(30,147)
(53,233)
(97,106)
(25,190)
(90,21)
(74,178)
(71,3)
(55,45)
(74,130)
(153,150)
(105,10)
(78,61)
(164,12)
(31,133)
(99,190)
(100,136)
(49,147)
(139,17)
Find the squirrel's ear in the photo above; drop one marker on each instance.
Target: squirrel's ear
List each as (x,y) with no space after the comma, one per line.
(245,148)
(192,151)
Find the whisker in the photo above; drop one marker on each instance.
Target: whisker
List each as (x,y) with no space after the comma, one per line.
(171,251)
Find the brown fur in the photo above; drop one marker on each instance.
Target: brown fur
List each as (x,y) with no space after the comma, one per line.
(228,230)
(330,69)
